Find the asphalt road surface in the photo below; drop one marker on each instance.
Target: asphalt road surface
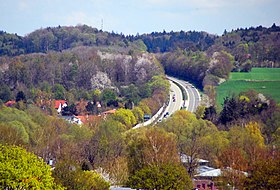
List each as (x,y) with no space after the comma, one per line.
(175,101)
(193,99)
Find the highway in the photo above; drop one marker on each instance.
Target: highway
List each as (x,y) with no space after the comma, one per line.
(193,96)
(175,101)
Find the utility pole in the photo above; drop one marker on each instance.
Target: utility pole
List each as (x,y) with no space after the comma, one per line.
(102,24)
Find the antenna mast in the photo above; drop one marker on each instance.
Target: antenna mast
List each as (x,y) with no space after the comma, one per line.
(102,24)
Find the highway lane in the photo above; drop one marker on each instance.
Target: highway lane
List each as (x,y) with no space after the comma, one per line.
(193,100)
(176,101)
(175,98)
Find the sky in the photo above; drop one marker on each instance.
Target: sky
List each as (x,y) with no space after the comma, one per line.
(138,16)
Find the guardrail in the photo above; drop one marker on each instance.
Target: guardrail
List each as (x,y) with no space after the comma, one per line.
(184,91)
(150,121)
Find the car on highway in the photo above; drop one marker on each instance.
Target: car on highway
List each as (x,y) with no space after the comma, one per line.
(165,115)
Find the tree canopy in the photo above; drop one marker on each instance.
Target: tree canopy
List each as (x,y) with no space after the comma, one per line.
(20,169)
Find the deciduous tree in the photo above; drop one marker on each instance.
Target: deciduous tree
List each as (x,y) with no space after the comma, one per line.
(161,177)
(20,169)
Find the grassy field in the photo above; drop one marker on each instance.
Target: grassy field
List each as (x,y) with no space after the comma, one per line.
(262,80)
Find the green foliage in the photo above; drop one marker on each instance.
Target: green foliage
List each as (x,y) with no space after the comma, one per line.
(212,145)
(73,74)
(91,180)
(164,176)
(159,82)
(265,175)
(13,133)
(59,92)
(139,46)
(145,108)
(20,122)
(126,117)
(188,65)
(138,114)
(73,177)
(189,132)
(96,95)
(248,106)
(20,169)
(257,44)
(108,95)
(149,146)
(248,139)
(223,65)
(106,144)
(131,93)
(5,93)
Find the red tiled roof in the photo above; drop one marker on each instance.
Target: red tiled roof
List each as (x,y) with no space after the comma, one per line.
(86,118)
(10,103)
(58,102)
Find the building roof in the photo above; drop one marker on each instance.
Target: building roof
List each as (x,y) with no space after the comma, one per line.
(210,173)
(10,103)
(202,169)
(205,171)
(58,102)
(109,112)
(86,118)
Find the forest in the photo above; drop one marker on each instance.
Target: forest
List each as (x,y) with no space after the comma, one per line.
(97,71)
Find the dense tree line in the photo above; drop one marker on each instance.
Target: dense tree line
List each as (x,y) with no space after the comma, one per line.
(61,38)
(157,42)
(123,156)
(20,169)
(84,73)
(247,106)
(198,67)
(254,46)
(251,47)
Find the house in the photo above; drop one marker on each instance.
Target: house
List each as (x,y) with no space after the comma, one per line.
(109,112)
(205,175)
(10,103)
(87,118)
(203,179)
(59,105)
(72,119)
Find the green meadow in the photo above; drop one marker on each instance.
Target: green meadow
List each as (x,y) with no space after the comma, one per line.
(262,80)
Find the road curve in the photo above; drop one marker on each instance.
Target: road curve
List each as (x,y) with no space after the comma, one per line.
(193,96)
(176,101)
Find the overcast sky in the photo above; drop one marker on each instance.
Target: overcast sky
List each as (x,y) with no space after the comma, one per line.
(138,16)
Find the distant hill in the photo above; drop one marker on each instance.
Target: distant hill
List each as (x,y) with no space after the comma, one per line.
(258,46)
(261,44)
(61,38)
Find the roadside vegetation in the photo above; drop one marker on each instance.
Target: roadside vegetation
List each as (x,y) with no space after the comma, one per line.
(97,71)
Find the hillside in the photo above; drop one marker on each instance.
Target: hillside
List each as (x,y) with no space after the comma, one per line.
(54,77)
(202,58)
